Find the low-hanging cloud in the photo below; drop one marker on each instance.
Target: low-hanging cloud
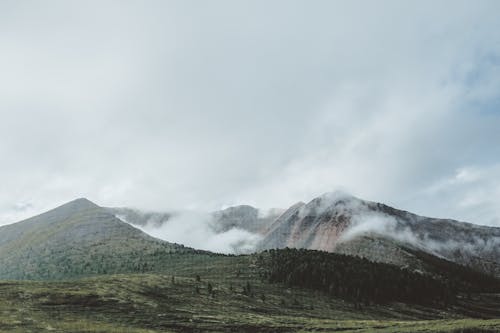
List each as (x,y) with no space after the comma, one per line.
(195,229)
(381,224)
(417,232)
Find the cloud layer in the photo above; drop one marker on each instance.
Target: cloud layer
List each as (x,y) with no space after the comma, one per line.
(197,105)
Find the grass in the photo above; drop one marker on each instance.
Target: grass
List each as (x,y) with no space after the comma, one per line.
(157,303)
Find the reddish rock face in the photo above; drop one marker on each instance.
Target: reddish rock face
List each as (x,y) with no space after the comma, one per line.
(317,225)
(337,222)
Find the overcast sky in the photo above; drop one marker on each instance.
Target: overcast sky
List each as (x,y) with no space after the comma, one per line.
(203,104)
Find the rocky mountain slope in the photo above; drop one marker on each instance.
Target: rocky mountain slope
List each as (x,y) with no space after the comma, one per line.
(337,222)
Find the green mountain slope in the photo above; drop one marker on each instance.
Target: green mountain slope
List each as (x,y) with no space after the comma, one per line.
(77,239)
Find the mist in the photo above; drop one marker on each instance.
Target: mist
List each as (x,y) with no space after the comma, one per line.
(380,224)
(409,231)
(195,229)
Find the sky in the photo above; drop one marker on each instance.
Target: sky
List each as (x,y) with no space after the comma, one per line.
(200,105)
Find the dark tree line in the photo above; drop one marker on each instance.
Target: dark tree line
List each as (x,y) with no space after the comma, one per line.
(463,278)
(356,279)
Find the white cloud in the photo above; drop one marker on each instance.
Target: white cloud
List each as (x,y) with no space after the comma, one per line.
(189,105)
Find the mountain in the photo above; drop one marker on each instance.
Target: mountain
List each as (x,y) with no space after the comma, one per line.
(77,239)
(243,217)
(80,238)
(337,222)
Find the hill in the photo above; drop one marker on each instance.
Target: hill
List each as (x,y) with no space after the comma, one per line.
(78,239)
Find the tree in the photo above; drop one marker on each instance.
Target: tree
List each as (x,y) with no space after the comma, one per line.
(247,289)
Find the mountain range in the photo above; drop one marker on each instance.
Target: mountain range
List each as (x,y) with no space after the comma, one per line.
(68,240)
(341,223)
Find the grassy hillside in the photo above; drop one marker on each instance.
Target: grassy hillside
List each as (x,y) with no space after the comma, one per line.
(78,239)
(217,294)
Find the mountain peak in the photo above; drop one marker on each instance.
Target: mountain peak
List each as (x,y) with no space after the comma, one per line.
(64,211)
(336,201)
(337,195)
(82,201)
(78,204)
